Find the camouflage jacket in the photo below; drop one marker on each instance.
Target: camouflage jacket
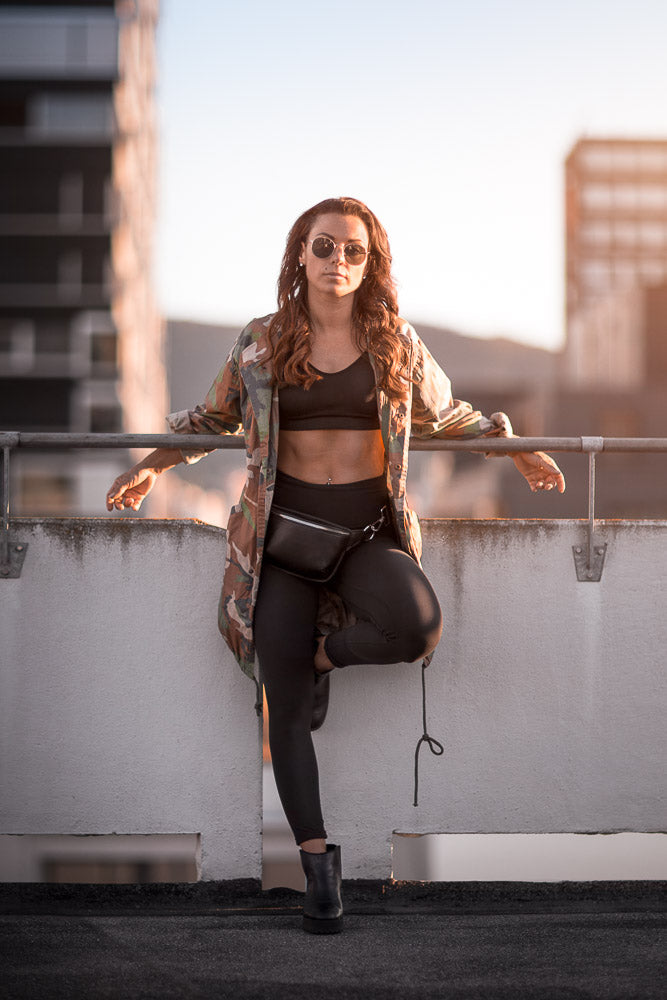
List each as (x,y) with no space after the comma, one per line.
(242,400)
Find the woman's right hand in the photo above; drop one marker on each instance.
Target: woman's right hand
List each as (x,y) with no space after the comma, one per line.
(131,488)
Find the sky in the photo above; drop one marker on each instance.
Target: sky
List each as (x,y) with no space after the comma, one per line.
(451,120)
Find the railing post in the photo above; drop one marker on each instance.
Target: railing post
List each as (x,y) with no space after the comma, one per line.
(589,562)
(12,553)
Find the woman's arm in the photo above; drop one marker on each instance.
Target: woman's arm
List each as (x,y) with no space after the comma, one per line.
(436,414)
(220,414)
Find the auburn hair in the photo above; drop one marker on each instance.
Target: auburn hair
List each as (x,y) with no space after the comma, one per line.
(374,313)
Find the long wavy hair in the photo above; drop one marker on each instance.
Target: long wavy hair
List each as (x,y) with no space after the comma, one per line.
(374,313)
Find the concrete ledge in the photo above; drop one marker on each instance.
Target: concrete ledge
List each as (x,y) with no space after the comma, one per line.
(123,712)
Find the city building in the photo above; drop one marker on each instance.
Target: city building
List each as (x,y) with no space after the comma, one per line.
(616,262)
(81,339)
(614,372)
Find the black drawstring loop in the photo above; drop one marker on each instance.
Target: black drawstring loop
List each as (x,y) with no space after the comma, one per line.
(434,745)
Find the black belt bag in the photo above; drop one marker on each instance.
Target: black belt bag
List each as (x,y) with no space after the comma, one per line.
(309,547)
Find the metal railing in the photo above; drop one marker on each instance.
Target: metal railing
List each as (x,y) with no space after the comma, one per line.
(588,558)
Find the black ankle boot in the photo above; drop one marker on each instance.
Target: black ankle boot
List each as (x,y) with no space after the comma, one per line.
(321,700)
(322,908)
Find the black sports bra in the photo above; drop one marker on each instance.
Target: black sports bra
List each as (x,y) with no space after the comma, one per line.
(338,400)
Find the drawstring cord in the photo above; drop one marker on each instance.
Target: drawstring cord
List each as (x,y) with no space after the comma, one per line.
(435,746)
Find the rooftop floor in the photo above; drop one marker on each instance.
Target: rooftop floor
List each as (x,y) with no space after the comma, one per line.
(411,940)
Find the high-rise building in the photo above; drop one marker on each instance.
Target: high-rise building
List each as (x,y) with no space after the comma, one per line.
(81,340)
(616,260)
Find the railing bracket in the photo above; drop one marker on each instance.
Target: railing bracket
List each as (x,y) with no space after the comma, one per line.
(589,568)
(589,558)
(12,553)
(12,561)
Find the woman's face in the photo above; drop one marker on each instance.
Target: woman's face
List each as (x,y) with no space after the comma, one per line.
(336,275)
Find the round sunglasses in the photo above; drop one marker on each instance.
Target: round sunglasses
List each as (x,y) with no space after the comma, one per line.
(324,246)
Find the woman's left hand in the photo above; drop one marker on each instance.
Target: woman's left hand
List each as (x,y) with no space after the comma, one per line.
(539,470)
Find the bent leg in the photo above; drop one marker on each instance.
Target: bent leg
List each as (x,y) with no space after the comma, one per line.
(399,615)
(284,628)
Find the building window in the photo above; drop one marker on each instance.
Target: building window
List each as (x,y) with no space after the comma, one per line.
(105,419)
(606,159)
(597,196)
(70,198)
(44,494)
(650,158)
(652,233)
(625,272)
(67,114)
(12,112)
(619,421)
(103,348)
(52,337)
(70,272)
(596,233)
(596,275)
(625,233)
(652,196)
(17,344)
(596,158)
(652,271)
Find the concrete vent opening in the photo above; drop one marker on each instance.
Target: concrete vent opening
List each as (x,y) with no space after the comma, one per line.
(529,857)
(100,859)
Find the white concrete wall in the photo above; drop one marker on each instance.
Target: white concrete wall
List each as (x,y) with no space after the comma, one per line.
(121,710)
(549,695)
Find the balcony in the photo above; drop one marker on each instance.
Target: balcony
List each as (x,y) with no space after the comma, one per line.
(124,715)
(59,44)
(124,712)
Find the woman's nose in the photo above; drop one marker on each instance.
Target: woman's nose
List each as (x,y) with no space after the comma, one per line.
(339,252)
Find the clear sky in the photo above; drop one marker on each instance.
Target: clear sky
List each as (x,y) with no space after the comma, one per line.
(451,120)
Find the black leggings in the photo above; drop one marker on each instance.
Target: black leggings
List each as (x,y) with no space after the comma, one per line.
(399,620)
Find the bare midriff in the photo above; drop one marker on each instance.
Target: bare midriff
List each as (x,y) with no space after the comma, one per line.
(331,456)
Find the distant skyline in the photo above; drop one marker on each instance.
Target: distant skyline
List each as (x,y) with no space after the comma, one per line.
(451,120)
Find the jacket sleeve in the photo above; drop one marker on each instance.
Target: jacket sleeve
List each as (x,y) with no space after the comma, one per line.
(219,414)
(435,413)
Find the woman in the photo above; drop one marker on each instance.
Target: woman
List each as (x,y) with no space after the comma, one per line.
(347,382)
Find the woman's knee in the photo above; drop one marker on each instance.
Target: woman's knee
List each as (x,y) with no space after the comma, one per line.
(420,638)
(422,622)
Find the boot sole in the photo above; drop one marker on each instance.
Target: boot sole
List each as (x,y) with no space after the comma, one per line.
(319,925)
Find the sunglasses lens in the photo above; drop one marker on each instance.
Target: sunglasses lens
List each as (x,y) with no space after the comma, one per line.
(323,247)
(355,253)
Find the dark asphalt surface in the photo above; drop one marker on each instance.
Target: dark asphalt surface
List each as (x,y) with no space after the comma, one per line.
(411,943)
